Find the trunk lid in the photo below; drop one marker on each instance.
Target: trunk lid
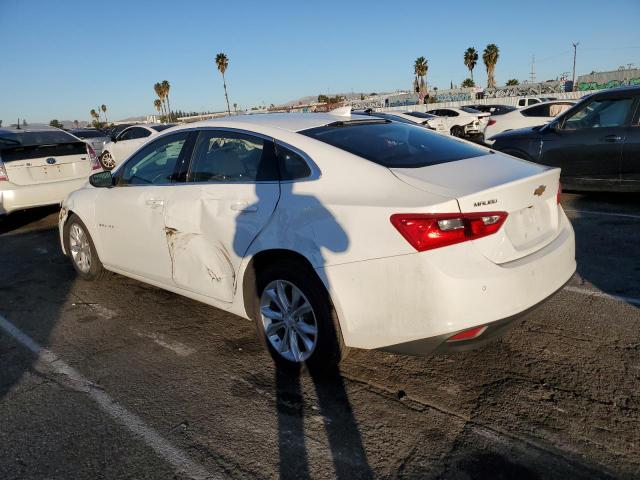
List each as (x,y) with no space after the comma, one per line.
(36,164)
(499,183)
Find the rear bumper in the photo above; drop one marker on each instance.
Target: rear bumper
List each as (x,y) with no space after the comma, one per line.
(19,197)
(429,296)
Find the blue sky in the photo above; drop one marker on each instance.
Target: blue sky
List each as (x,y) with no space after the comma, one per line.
(62,58)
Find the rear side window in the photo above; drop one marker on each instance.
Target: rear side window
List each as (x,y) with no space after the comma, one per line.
(292,165)
(395,144)
(537,111)
(222,156)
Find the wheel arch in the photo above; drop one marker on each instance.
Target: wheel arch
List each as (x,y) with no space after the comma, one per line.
(259,261)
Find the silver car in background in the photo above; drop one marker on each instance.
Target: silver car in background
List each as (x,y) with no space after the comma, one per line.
(93,137)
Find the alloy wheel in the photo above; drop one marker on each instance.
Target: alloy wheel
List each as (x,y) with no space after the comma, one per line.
(289,321)
(107,161)
(80,248)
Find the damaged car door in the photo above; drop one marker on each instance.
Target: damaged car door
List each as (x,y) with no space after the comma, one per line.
(130,216)
(231,190)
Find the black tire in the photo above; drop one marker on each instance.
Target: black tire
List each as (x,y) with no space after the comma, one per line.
(329,349)
(95,270)
(457,131)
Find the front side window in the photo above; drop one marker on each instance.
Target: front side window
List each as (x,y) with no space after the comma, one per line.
(394,144)
(607,112)
(232,157)
(156,163)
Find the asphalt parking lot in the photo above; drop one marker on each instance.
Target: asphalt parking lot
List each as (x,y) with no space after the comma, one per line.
(117,379)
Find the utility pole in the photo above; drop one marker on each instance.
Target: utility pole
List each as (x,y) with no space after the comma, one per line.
(532,75)
(575,48)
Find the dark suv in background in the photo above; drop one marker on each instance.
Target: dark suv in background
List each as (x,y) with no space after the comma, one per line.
(596,143)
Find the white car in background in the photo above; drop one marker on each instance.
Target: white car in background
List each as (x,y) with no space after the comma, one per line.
(462,121)
(330,231)
(418,118)
(532,116)
(41,166)
(127,142)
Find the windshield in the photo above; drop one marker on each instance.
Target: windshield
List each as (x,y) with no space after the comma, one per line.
(395,144)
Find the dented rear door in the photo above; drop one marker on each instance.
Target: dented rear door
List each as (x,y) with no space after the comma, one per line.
(231,192)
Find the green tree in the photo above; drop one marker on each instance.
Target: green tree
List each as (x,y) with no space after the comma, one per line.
(420,69)
(468,82)
(490,59)
(323,98)
(222,63)
(157,87)
(103,107)
(166,86)
(470,59)
(55,123)
(513,81)
(158,104)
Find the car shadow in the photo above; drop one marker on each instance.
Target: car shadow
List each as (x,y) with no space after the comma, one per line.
(29,249)
(607,229)
(347,451)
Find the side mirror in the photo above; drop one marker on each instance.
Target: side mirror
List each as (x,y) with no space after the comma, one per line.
(101,180)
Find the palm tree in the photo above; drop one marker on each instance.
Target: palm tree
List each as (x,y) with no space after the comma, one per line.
(103,107)
(158,104)
(166,86)
(470,59)
(490,58)
(222,62)
(160,92)
(420,69)
(235,108)
(76,123)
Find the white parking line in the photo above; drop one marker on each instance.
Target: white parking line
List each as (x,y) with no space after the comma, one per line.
(177,458)
(606,214)
(595,293)
(178,348)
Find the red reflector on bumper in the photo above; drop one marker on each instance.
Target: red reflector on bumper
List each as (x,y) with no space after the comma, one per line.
(467,334)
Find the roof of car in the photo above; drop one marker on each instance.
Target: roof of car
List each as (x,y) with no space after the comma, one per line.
(293,122)
(27,129)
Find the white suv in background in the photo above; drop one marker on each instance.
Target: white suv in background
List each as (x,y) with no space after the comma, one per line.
(127,142)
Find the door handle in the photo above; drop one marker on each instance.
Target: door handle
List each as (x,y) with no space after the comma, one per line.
(612,138)
(243,207)
(155,203)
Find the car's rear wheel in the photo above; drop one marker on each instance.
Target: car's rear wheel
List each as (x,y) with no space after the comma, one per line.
(457,131)
(107,161)
(296,320)
(81,250)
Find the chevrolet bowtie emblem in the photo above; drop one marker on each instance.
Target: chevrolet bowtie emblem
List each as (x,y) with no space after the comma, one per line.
(540,190)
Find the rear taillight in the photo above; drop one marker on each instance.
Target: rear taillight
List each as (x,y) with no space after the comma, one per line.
(491,122)
(3,172)
(467,334)
(559,192)
(93,158)
(426,231)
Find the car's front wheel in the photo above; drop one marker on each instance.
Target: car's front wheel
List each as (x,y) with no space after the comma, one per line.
(81,250)
(296,320)
(107,161)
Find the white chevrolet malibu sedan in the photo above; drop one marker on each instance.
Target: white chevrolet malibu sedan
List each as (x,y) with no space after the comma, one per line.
(330,231)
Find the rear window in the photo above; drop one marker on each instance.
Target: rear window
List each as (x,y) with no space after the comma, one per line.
(44,137)
(470,110)
(159,128)
(394,145)
(421,115)
(88,133)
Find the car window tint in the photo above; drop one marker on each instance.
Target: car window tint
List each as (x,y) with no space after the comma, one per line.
(155,163)
(395,144)
(607,112)
(292,165)
(537,111)
(521,102)
(127,134)
(232,157)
